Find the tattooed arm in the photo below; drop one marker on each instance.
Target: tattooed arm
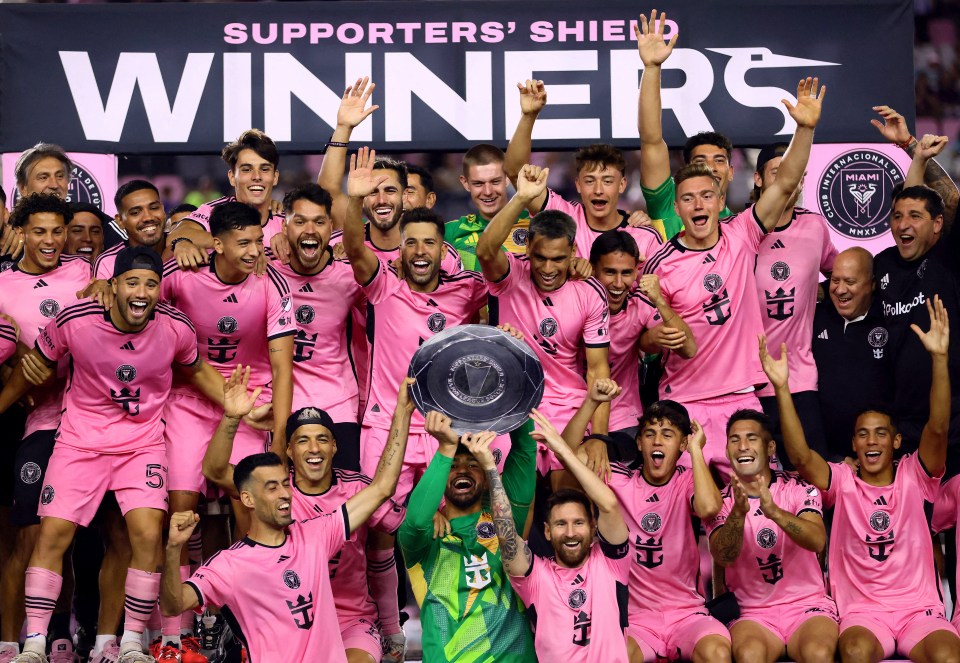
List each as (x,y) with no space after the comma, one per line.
(727,540)
(933,174)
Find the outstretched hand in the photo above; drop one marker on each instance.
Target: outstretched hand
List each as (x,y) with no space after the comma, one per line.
(353,108)
(776,369)
(362,179)
(533,97)
(937,340)
(809,103)
(653,50)
(238,400)
(894,127)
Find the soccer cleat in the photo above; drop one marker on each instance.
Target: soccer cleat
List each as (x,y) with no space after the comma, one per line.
(135,656)
(108,654)
(190,650)
(166,654)
(210,634)
(8,652)
(61,651)
(394,648)
(29,657)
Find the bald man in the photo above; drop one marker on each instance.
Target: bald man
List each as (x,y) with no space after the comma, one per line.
(851,348)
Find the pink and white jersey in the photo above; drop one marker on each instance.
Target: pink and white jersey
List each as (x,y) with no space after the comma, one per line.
(33,300)
(323,371)
(119,381)
(234,321)
(772,570)
(714,291)
(788,271)
(577,615)
(202,214)
(648,239)
(8,340)
(626,325)
(946,515)
(881,555)
(399,320)
(558,325)
(451,263)
(348,568)
(666,567)
(280,595)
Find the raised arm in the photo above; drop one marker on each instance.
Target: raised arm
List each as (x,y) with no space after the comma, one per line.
(533,97)
(600,392)
(673,334)
(806,530)
(654,154)
(706,497)
(933,439)
(924,152)
(280,350)
(790,174)
(177,597)
(531,182)
(238,401)
(811,465)
(727,540)
(361,182)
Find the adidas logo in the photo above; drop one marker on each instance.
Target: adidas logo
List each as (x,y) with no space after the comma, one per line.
(127,346)
(232,299)
(283,558)
(547,301)
(708,259)
(778,245)
(881,501)
(375,408)
(306,288)
(653,498)
(823,335)
(758,512)
(40,284)
(578,580)
(884,281)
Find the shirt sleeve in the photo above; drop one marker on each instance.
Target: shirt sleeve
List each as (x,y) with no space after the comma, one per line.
(555,201)
(595,332)
(519,473)
(279,305)
(416,532)
(840,475)
(451,263)
(54,341)
(718,521)
(382,285)
(201,216)
(808,498)
(747,226)
(8,341)
(928,484)
(509,279)
(945,511)
(187,352)
(616,557)
(212,582)
(527,586)
(330,531)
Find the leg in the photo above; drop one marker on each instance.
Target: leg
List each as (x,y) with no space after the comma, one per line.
(383,580)
(180,500)
(938,647)
(859,645)
(142,587)
(753,643)
(712,649)
(43,580)
(113,572)
(11,599)
(814,642)
(639,651)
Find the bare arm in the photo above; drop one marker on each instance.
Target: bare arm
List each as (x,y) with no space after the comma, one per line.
(675,334)
(925,170)
(238,401)
(533,97)
(706,497)
(727,541)
(654,154)
(806,530)
(933,439)
(281,370)
(177,597)
(531,182)
(598,368)
(17,384)
(361,181)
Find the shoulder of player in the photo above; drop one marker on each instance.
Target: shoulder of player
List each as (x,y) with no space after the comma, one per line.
(79,310)
(462,276)
(644,231)
(109,253)
(637,298)
(359,479)
(667,251)
(621,471)
(73,260)
(276,279)
(591,287)
(170,267)
(175,315)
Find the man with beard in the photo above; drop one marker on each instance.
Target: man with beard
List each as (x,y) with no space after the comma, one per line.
(140,214)
(420,191)
(85,234)
(468,608)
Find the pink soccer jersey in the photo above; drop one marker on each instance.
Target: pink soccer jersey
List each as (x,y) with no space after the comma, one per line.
(234,321)
(103,265)
(33,300)
(577,612)
(666,566)
(715,292)
(557,325)
(946,514)
(788,270)
(771,569)
(323,370)
(348,568)
(451,263)
(286,587)
(881,554)
(399,321)
(8,340)
(626,325)
(648,239)
(202,214)
(119,381)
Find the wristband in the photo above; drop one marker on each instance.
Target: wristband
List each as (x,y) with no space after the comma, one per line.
(905,144)
(173,244)
(334,143)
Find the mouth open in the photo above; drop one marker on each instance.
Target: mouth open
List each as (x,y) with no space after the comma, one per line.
(658,458)
(701,220)
(309,247)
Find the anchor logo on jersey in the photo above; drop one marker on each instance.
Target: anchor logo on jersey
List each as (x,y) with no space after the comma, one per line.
(780,300)
(221,351)
(303,344)
(302,609)
(128,400)
(477,570)
(774,565)
(719,306)
(877,338)
(581,629)
(647,552)
(880,547)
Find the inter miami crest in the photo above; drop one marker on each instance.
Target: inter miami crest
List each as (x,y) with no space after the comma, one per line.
(486,530)
(227,325)
(854,192)
(766,538)
(780,271)
(49,308)
(291,579)
(651,523)
(126,373)
(305,314)
(877,338)
(548,327)
(879,521)
(436,322)
(30,473)
(519,236)
(47,495)
(712,282)
(577,598)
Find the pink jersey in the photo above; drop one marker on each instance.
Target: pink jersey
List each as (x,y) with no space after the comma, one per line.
(348,568)
(577,611)
(119,381)
(788,271)
(280,595)
(715,292)
(557,325)
(648,239)
(33,300)
(946,514)
(666,568)
(103,265)
(881,555)
(399,320)
(451,263)
(201,216)
(234,321)
(323,371)
(626,325)
(8,340)
(772,570)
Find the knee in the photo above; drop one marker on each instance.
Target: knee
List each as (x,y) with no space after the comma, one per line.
(817,652)
(712,650)
(945,654)
(854,650)
(749,651)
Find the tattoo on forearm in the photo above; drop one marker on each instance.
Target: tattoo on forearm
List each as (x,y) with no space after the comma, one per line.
(230,425)
(793,528)
(729,540)
(503,517)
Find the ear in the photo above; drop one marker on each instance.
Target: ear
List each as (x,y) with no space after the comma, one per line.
(897,440)
(443,249)
(217,245)
(546,531)
(463,182)
(431,200)
(576,182)
(113,285)
(757,180)
(683,443)
(938,224)
(623,184)
(231,178)
(771,448)
(246,499)
(276,176)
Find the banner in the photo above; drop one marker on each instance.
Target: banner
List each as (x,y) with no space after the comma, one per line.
(92,180)
(189,77)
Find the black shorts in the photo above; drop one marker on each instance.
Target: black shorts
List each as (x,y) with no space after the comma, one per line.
(11,432)
(348,446)
(30,466)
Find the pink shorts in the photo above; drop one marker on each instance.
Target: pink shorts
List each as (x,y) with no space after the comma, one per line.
(899,631)
(712,414)
(672,634)
(78,480)
(190,423)
(784,620)
(360,633)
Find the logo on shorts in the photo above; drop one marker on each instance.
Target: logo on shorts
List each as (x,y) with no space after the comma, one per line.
(227,325)
(49,308)
(712,282)
(780,271)
(766,538)
(126,373)
(519,236)
(47,495)
(486,530)
(650,523)
(854,193)
(30,473)
(548,327)
(291,579)
(436,322)
(577,598)
(879,521)
(305,314)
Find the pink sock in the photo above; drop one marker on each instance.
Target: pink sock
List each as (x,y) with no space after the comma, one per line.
(42,590)
(172,625)
(156,619)
(186,619)
(142,589)
(382,578)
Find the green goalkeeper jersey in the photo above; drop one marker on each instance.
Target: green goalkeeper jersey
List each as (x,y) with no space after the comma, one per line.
(660,206)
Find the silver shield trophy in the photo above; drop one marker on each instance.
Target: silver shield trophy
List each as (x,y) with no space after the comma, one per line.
(479,376)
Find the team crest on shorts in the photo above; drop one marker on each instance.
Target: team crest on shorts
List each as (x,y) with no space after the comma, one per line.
(30,473)
(227,325)
(47,495)
(854,193)
(879,521)
(712,282)
(126,373)
(780,271)
(486,530)
(548,327)
(436,322)
(766,538)
(577,598)
(291,579)
(49,308)
(651,523)
(519,236)
(305,314)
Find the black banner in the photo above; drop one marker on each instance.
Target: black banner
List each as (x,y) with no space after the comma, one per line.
(186,78)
